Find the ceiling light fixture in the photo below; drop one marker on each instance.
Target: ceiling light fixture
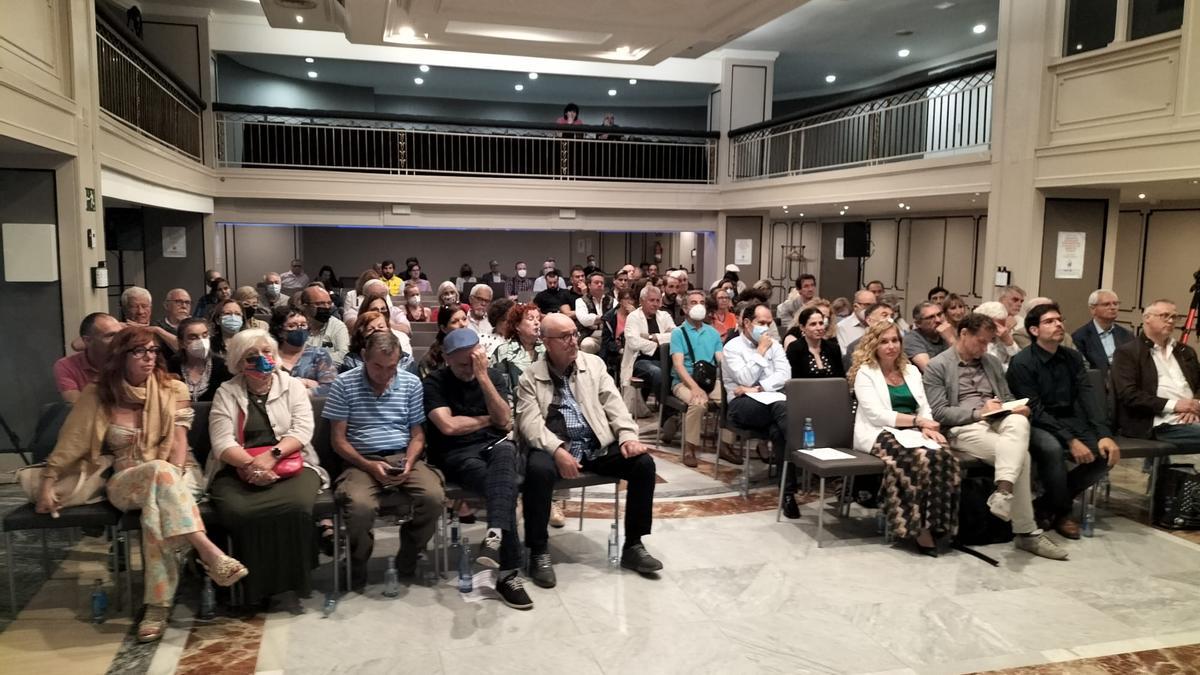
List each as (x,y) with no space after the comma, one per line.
(533,76)
(406,33)
(901,205)
(612,92)
(801,215)
(908,208)
(943,5)
(299,19)
(309,60)
(1079,47)
(841,213)
(312,73)
(519,87)
(1141,195)
(633,80)
(418,80)
(423,68)
(830,79)
(979,28)
(903,53)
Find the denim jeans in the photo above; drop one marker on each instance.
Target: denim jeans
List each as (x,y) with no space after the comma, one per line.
(1060,486)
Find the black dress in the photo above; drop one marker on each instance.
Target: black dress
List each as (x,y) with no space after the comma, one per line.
(218,374)
(804,364)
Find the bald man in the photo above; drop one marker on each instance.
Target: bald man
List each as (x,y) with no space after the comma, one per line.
(854,326)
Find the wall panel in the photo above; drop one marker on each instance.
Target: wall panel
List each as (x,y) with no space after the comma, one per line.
(1172,255)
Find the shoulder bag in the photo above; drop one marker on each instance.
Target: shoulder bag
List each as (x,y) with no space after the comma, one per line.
(703,372)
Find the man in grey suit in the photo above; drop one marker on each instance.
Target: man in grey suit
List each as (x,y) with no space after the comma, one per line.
(964,384)
(1100,337)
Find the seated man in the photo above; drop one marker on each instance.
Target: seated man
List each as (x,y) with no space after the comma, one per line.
(874,314)
(646,328)
(931,335)
(1067,419)
(481,299)
(804,293)
(571,417)
(272,295)
(554,297)
(1157,382)
(692,342)
(937,295)
(1099,338)
(73,373)
(325,329)
(1021,338)
(963,384)
(589,313)
(376,416)
(756,363)
(467,402)
(1004,346)
(852,328)
(138,306)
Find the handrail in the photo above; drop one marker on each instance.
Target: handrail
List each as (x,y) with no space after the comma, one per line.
(460,121)
(114,25)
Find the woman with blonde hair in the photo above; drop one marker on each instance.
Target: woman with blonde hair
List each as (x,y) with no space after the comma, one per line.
(140,415)
(920,485)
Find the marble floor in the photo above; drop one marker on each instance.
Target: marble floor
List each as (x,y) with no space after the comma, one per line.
(739,593)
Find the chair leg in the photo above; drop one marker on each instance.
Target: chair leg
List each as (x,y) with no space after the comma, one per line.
(782,481)
(8,563)
(617,511)
(114,559)
(717,459)
(45,555)
(337,553)
(1155,465)
(126,544)
(847,495)
(582,499)
(820,510)
(745,470)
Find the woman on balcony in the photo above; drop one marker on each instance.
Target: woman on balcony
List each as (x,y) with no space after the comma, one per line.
(139,414)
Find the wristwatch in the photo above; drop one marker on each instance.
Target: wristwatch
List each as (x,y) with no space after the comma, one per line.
(276,453)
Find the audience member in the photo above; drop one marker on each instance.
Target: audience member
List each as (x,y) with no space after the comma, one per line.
(497,312)
(325,329)
(724,319)
(311,366)
(218,291)
(480,298)
(956,310)
(841,309)
(876,313)
(570,115)
(1067,418)
(876,287)
(412,261)
(331,282)
(590,267)
(259,418)
(176,308)
(201,370)
(937,295)
(520,284)
(571,417)
(1003,346)
(577,284)
(554,299)
(371,321)
(247,298)
(646,328)
(494,276)
(1012,297)
(448,296)
(450,318)
(137,306)
(1099,338)
(695,343)
(73,373)
(673,300)
(387,273)
(931,336)
(892,300)
(540,284)
(804,293)
(375,297)
(589,312)
(377,416)
(227,319)
(413,275)
(523,343)
(294,280)
(811,355)
(414,311)
(210,276)
(854,326)
(967,389)
(465,280)
(731,275)
(1020,337)
(756,363)
(468,405)
(140,415)
(612,336)
(920,485)
(272,295)
(1156,382)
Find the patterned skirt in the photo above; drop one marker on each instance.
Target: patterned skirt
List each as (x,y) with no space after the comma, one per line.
(920,487)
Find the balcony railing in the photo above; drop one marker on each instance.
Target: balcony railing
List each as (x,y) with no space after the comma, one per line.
(278,138)
(143,94)
(947,118)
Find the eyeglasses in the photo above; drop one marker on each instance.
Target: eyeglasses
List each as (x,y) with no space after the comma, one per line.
(567,338)
(141,352)
(932,316)
(1169,317)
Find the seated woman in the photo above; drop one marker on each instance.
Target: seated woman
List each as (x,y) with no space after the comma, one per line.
(413,309)
(369,323)
(312,366)
(247,297)
(955,309)
(523,343)
(449,318)
(724,319)
(448,297)
(812,355)
(201,370)
(219,290)
(920,485)
(794,331)
(260,418)
(354,296)
(138,413)
(612,336)
(226,320)
(375,291)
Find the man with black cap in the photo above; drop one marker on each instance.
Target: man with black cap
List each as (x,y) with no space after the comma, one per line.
(467,405)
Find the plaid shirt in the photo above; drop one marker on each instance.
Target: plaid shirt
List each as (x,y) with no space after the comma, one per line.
(566,419)
(516,285)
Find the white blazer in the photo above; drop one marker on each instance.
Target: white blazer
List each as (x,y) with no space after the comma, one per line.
(875,403)
(635,344)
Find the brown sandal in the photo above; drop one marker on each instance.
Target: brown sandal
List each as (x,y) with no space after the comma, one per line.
(226,571)
(153,623)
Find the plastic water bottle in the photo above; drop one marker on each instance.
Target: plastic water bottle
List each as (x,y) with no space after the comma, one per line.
(330,605)
(1089,520)
(391,580)
(454,529)
(810,436)
(208,601)
(465,582)
(614,557)
(99,603)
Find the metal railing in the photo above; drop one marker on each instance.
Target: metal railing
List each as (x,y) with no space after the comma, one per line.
(276,138)
(942,119)
(134,89)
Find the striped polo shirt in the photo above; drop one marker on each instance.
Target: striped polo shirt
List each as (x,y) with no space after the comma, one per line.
(376,425)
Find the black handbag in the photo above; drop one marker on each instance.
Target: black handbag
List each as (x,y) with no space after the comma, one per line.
(1177,498)
(703,372)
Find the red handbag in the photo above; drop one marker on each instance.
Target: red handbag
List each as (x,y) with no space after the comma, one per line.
(284,468)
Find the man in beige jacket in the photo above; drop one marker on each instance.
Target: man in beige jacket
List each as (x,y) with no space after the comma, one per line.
(570,417)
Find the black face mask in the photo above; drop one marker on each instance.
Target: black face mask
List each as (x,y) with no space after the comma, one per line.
(465,273)
(322,314)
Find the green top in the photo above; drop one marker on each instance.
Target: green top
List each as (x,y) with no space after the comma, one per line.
(903,400)
(258,431)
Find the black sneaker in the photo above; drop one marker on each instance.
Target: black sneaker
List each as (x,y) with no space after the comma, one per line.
(636,558)
(489,552)
(512,592)
(541,570)
(790,508)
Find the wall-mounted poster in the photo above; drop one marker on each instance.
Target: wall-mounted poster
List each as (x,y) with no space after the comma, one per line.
(1068,262)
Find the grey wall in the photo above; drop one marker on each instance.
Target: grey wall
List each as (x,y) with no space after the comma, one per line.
(32,332)
(246,86)
(177,45)
(163,274)
(744,227)
(838,278)
(1073,215)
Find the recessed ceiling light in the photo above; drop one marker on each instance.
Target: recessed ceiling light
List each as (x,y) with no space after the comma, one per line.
(830,79)
(406,33)
(846,207)
(519,87)
(612,92)
(1079,47)
(1141,195)
(841,213)
(979,28)
(312,73)
(801,215)
(299,19)
(908,208)
(423,68)
(903,53)
(533,76)
(943,5)
(633,80)
(1195,182)
(418,80)
(901,204)
(623,49)
(309,59)
(904,32)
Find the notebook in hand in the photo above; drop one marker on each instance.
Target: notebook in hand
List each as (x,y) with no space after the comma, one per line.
(1005,408)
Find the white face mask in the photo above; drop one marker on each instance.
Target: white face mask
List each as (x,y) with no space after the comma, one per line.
(273,289)
(198,349)
(697,313)
(413,300)
(522,273)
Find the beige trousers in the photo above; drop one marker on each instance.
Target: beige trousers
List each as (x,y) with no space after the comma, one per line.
(1005,445)
(693,418)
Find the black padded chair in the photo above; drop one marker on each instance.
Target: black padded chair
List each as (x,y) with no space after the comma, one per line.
(668,403)
(741,437)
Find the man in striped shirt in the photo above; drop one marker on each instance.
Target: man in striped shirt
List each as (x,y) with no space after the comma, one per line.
(376,415)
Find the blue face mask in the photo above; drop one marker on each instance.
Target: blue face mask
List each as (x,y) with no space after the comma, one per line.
(232,323)
(758,332)
(296,338)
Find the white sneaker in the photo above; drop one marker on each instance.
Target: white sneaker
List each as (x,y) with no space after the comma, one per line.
(1041,545)
(1000,504)
(557,517)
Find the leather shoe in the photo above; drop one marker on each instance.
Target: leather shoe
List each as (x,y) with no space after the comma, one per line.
(1067,528)
(728,455)
(790,508)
